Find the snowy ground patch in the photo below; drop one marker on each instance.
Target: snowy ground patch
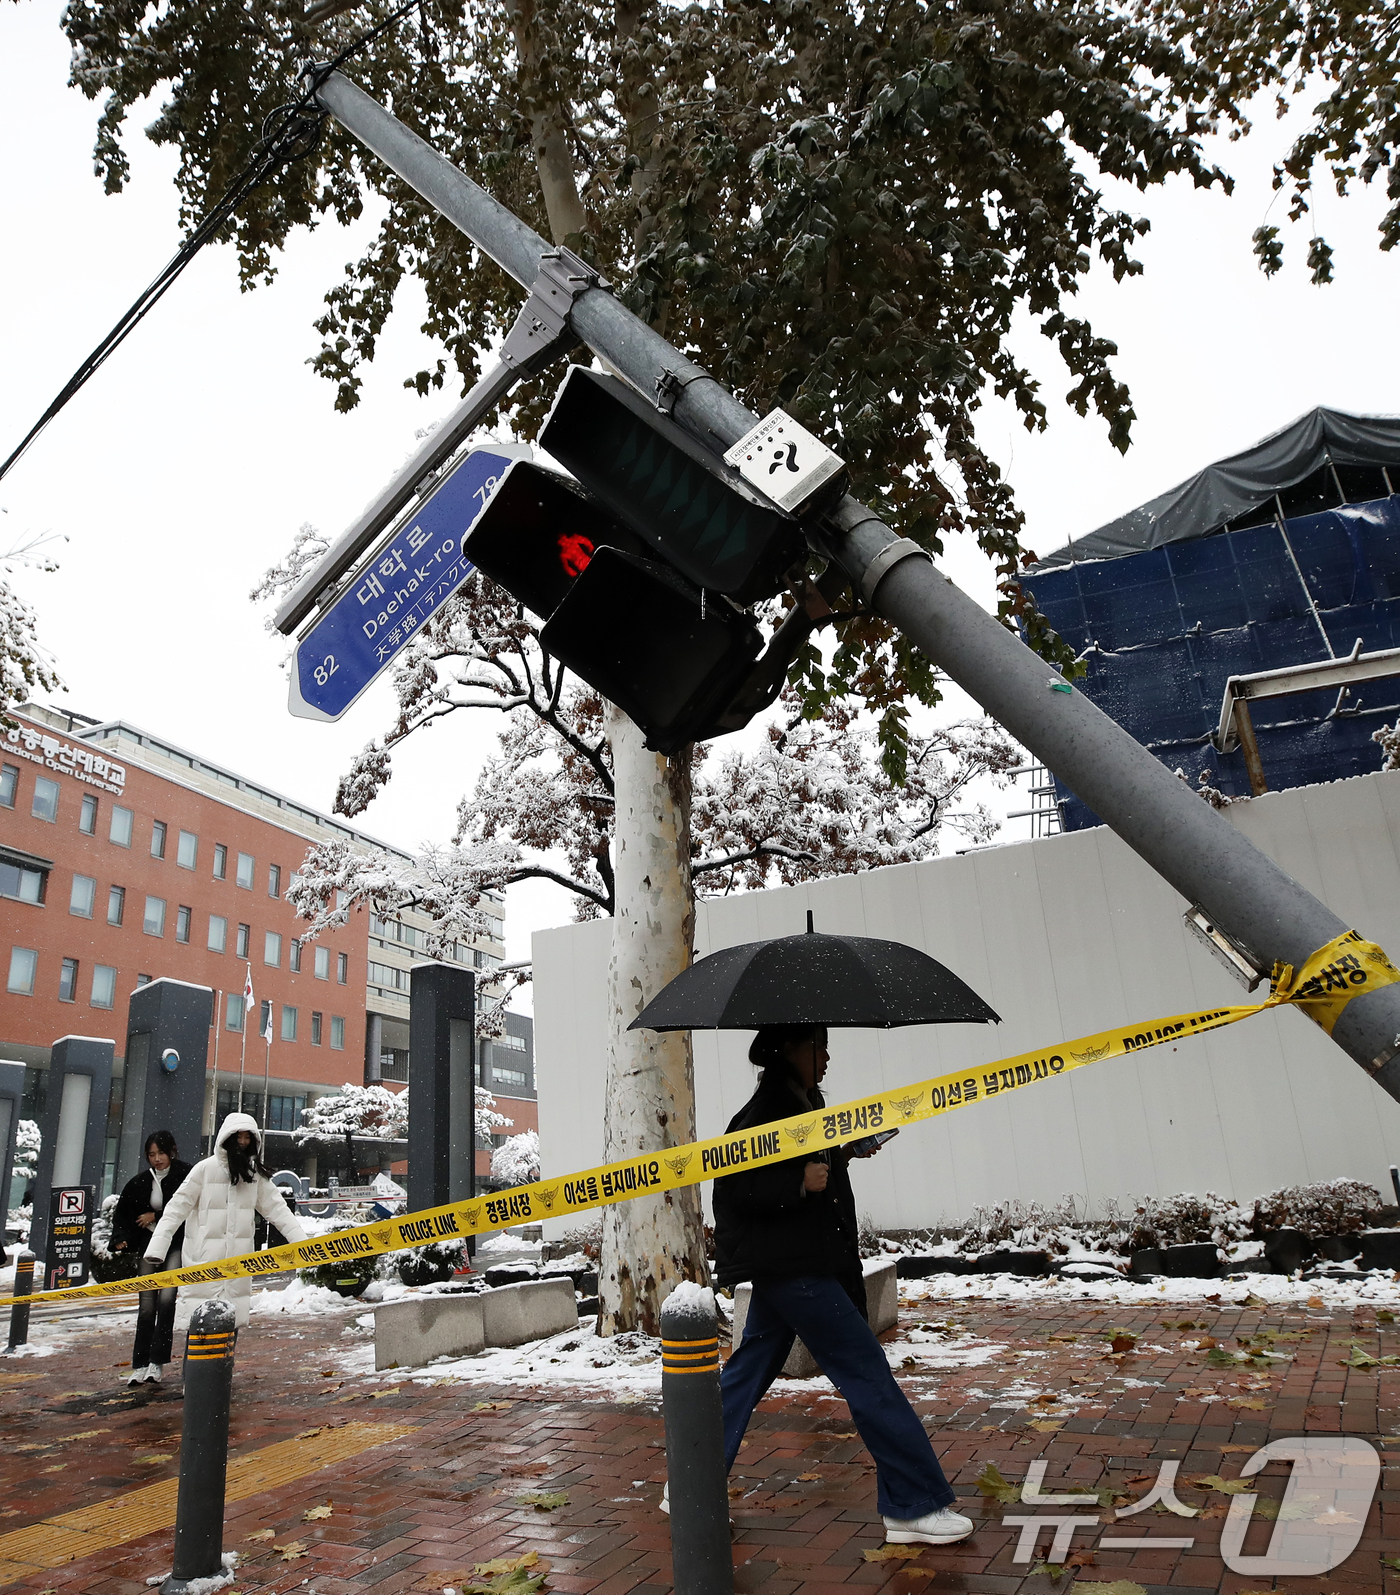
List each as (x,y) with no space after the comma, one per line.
(1276,1290)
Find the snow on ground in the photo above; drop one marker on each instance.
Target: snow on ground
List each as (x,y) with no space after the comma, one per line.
(506,1242)
(1278,1290)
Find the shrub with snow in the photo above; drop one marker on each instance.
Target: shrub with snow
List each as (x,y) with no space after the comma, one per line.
(1186,1219)
(28,1140)
(1334,1207)
(517,1160)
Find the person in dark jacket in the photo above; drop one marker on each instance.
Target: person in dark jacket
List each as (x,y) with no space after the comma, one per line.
(138,1211)
(790,1228)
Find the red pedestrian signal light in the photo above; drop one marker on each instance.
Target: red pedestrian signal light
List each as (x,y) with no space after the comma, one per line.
(575,551)
(623,621)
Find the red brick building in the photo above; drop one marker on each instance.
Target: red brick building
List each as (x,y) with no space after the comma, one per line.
(124,858)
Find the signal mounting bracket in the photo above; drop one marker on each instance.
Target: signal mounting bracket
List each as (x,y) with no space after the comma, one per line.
(541,332)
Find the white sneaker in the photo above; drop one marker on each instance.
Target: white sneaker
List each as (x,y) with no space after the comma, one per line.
(153,1373)
(137,1376)
(935,1528)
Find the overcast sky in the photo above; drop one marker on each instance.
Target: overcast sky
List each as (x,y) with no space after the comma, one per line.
(184,468)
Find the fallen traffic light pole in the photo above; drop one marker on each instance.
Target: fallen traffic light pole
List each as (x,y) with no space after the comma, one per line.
(1253,911)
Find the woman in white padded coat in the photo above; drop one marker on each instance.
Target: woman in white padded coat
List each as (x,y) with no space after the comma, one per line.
(218,1203)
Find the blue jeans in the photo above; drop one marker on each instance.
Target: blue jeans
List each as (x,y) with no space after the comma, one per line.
(909,1480)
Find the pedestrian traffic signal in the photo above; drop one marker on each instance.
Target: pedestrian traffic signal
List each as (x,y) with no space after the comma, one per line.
(668,655)
(698,513)
(538,534)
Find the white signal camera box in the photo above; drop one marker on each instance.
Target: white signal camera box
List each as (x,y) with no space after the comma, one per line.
(782,459)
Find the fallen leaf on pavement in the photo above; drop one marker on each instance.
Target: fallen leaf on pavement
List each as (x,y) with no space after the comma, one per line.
(1046,1425)
(313,1513)
(1119,1586)
(393,1390)
(523,1470)
(992,1484)
(492,1406)
(893,1553)
(519,1575)
(1080,1559)
(261,1534)
(1213,1481)
(1316,1301)
(155,1456)
(292,1550)
(1249,1403)
(809,1478)
(543,1501)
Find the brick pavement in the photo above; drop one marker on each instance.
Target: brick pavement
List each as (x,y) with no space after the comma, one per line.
(415,1513)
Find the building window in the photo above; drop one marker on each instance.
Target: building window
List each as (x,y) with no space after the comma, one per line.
(82,897)
(187,850)
(87,815)
(342,968)
(337,1033)
(508,1076)
(274,880)
(294,956)
(514,1043)
(154,922)
(119,827)
(143,980)
(21,882)
(245,870)
(183,916)
(104,986)
(284,1113)
(220,861)
(116,904)
(9,785)
(323,963)
(24,966)
(158,839)
(218,933)
(272,949)
(233,1011)
(45,805)
(289,1023)
(315,1030)
(68,981)
(388,976)
(245,936)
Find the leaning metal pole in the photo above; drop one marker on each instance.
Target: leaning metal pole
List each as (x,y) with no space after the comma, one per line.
(1188,843)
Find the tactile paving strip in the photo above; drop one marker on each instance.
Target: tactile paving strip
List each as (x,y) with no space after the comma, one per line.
(91,1529)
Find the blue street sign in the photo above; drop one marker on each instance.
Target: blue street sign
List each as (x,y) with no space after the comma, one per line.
(388,600)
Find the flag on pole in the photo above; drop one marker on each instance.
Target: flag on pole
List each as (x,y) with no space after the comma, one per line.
(267,1026)
(247,998)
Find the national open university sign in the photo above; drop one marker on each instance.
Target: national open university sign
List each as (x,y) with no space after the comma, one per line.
(404,582)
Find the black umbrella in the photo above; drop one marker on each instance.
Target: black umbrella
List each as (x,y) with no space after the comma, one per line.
(814,980)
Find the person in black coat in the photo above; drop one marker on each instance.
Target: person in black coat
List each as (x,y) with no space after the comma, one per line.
(790,1228)
(137,1212)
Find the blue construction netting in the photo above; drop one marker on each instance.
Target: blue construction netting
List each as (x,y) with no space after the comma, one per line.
(1163,630)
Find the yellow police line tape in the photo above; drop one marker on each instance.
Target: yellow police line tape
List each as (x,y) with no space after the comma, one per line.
(1346,967)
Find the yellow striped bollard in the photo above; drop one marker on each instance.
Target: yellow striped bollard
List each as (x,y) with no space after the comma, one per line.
(19,1312)
(199,1508)
(701,1559)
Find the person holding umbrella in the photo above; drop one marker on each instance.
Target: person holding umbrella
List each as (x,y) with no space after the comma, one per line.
(790,1227)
